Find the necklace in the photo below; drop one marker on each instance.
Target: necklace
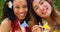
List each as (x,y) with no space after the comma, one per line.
(23,26)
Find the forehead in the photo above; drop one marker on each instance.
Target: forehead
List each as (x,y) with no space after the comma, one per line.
(19,1)
(36,1)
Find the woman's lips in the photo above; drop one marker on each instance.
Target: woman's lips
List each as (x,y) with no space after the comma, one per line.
(44,12)
(21,14)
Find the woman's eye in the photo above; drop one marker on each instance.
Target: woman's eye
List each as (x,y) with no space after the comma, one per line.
(36,8)
(25,6)
(41,2)
(17,7)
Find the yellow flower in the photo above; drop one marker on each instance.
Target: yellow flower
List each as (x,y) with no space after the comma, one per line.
(46,26)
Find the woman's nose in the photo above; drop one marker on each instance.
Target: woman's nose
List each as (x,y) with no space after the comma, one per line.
(41,8)
(21,10)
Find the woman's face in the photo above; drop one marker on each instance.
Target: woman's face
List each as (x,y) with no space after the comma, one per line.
(20,8)
(42,8)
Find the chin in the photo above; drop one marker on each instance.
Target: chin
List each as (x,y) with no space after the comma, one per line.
(21,18)
(45,16)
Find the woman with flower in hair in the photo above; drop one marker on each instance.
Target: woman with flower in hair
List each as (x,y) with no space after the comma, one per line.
(49,15)
(15,16)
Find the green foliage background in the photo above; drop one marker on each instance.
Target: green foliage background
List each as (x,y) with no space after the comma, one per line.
(57,3)
(1,8)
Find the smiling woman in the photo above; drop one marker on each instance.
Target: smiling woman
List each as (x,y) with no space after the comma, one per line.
(49,15)
(15,16)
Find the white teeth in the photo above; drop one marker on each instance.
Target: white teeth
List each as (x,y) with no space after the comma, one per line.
(21,14)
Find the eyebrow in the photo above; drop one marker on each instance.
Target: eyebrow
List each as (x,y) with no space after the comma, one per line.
(40,1)
(16,5)
(25,4)
(35,6)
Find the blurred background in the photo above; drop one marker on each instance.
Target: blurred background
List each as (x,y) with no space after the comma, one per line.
(1,8)
(56,2)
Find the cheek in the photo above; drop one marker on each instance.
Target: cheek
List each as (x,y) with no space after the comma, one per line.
(25,10)
(15,11)
(38,12)
(47,5)
(49,9)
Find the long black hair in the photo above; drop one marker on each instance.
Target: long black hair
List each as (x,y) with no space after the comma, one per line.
(9,13)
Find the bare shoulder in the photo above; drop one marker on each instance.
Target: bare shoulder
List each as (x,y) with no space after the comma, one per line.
(5,21)
(5,25)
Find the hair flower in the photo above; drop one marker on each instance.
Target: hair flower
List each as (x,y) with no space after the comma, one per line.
(10,4)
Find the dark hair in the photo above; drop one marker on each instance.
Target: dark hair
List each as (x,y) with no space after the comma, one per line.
(9,13)
(37,18)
